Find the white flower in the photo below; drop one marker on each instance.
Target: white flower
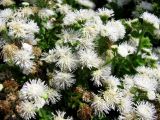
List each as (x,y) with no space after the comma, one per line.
(69,19)
(25,3)
(61,116)
(49,57)
(125,49)
(2,24)
(65,59)
(45,13)
(6,13)
(86,3)
(101,74)
(26,11)
(34,89)
(89,58)
(22,28)
(92,27)
(67,62)
(86,43)
(145,83)
(27,110)
(1,87)
(62,80)
(81,15)
(104,12)
(84,14)
(157,33)
(112,82)
(147,71)
(152,56)
(125,105)
(127,116)
(158,97)
(7,2)
(32,26)
(99,105)
(61,51)
(64,8)
(114,30)
(53,96)
(48,25)
(70,35)
(27,47)
(111,97)
(39,103)
(133,41)
(16,28)
(146,5)
(23,12)
(145,111)
(23,59)
(151,95)
(128,82)
(151,18)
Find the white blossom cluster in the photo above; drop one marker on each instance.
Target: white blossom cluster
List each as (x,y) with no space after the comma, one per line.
(34,95)
(86,42)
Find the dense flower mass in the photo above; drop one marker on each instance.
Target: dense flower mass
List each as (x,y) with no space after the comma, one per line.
(79,60)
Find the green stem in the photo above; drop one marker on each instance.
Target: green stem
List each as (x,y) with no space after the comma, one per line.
(140,41)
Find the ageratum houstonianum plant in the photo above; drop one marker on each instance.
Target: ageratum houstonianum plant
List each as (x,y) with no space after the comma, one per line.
(74,61)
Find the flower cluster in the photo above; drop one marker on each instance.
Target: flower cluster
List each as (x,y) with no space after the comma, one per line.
(72,58)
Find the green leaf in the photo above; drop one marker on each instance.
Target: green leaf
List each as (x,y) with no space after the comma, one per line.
(145,42)
(44,114)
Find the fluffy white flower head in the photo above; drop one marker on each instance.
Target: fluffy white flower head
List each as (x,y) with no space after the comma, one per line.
(111,97)
(22,58)
(100,75)
(62,80)
(45,13)
(7,2)
(99,105)
(61,116)
(128,82)
(22,28)
(27,110)
(34,89)
(64,8)
(104,12)
(151,95)
(49,57)
(2,24)
(145,83)
(53,96)
(114,30)
(65,59)
(70,35)
(112,82)
(86,3)
(84,14)
(125,49)
(6,13)
(151,18)
(145,111)
(89,58)
(27,47)
(125,105)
